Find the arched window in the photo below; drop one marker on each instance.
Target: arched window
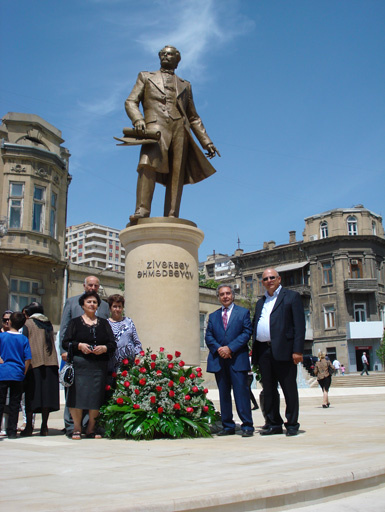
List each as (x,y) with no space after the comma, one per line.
(374,228)
(324,229)
(352,225)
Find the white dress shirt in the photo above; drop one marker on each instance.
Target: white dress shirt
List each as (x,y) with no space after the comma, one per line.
(263,327)
(229,310)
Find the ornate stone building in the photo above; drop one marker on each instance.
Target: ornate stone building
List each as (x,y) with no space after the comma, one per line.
(338,268)
(33,203)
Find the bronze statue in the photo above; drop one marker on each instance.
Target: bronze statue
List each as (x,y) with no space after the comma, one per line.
(174,160)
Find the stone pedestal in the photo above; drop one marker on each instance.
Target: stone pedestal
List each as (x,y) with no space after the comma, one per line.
(162,284)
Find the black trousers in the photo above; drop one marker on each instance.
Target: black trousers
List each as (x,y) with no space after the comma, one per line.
(284,373)
(15,392)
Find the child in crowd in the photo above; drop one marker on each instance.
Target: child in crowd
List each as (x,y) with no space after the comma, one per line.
(16,357)
(342,369)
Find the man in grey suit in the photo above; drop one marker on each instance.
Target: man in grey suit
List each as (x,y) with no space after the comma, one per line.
(175,160)
(72,309)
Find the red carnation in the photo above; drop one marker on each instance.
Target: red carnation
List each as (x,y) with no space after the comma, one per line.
(158,388)
(142,370)
(136,406)
(125,361)
(177,407)
(171,394)
(142,382)
(108,387)
(125,373)
(181,363)
(205,408)
(126,384)
(141,353)
(114,375)
(187,397)
(192,376)
(153,357)
(198,369)
(205,391)
(137,391)
(169,357)
(153,365)
(158,372)
(160,410)
(189,409)
(171,366)
(161,349)
(152,399)
(199,374)
(119,401)
(170,383)
(177,354)
(195,389)
(182,379)
(137,361)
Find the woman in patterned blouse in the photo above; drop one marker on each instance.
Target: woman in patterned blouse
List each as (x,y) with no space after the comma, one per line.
(323,370)
(128,344)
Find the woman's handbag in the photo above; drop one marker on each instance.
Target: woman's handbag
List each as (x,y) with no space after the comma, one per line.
(67,373)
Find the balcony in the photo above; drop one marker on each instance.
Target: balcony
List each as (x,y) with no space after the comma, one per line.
(360,285)
(302,289)
(364,330)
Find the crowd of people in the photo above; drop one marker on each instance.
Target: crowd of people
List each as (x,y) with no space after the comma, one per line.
(97,335)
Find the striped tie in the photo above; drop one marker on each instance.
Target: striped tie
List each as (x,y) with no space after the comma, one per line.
(224,318)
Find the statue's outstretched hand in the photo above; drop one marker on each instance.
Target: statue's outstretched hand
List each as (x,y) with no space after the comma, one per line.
(211,151)
(140,125)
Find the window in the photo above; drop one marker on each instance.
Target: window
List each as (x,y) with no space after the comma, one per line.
(383,315)
(22,293)
(360,312)
(52,219)
(352,225)
(374,228)
(16,195)
(356,269)
(324,229)
(307,320)
(249,285)
(327,276)
(38,209)
(329,317)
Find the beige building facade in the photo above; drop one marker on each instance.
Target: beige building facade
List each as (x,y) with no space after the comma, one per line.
(338,268)
(34,181)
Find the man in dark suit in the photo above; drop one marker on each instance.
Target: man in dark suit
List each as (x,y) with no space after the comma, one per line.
(72,309)
(278,340)
(227,335)
(175,160)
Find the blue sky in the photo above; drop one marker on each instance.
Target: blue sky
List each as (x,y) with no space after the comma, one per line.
(291,93)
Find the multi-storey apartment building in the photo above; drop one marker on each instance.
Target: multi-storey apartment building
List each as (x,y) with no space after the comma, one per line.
(338,268)
(95,246)
(34,181)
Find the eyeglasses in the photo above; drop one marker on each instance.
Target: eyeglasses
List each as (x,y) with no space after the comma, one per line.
(5,320)
(271,278)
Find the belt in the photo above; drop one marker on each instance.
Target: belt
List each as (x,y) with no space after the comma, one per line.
(268,343)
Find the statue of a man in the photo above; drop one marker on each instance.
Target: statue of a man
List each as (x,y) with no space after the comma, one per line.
(175,160)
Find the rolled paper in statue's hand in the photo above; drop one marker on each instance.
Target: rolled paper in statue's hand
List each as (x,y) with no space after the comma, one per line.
(131,137)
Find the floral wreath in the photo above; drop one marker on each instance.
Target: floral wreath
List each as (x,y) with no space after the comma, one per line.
(157,396)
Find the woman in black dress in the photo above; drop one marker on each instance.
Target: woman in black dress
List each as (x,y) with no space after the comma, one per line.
(92,343)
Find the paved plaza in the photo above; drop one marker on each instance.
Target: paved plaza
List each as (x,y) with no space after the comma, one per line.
(338,457)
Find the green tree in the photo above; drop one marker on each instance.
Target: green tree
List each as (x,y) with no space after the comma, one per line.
(207,283)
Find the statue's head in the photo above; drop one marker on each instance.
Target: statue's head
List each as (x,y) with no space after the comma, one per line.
(169,57)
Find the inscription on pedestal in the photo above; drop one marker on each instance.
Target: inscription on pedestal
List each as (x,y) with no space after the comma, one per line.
(160,268)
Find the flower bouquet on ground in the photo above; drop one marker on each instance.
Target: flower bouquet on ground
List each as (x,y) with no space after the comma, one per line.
(158,397)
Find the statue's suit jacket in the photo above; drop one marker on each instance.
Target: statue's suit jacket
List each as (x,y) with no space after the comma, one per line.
(236,337)
(287,326)
(149,90)
(72,309)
